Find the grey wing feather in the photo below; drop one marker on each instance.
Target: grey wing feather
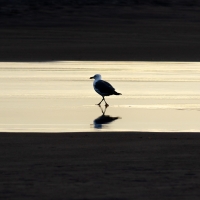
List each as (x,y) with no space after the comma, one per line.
(104,87)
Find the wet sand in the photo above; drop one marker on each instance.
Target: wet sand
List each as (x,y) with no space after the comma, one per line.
(59,97)
(100,165)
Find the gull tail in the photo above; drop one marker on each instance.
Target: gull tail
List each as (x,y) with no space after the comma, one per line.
(116,93)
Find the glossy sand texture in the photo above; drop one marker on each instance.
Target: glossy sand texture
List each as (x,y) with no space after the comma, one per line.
(59,97)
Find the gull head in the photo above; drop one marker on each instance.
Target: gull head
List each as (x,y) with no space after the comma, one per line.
(96,77)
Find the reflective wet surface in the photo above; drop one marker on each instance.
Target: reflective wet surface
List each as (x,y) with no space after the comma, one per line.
(59,97)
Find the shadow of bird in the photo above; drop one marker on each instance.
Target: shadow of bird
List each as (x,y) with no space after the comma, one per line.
(103,119)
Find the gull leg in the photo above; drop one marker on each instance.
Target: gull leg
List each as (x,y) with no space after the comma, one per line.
(106,105)
(100,102)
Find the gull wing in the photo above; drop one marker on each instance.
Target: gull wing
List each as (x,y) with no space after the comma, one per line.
(104,87)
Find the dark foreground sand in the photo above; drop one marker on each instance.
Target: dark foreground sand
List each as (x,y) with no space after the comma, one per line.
(100,166)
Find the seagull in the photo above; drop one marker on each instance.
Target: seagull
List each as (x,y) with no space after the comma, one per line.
(103,88)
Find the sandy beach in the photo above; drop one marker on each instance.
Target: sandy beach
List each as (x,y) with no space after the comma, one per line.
(100,165)
(117,165)
(127,33)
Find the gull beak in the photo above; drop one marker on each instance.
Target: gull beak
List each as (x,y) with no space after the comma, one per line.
(92,77)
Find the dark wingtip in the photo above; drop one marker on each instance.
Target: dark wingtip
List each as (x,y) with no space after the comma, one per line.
(116,93)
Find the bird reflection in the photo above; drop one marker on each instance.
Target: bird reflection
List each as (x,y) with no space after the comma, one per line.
(103,119)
